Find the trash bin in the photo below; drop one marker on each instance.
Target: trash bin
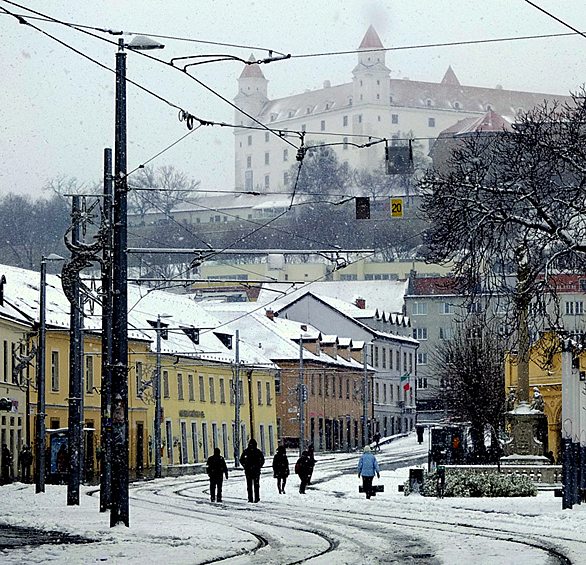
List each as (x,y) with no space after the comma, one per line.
(415,479)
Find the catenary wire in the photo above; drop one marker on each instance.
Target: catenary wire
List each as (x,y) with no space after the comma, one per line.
(555,18)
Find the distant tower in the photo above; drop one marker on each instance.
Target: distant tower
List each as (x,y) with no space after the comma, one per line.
(252,92)
(371,76)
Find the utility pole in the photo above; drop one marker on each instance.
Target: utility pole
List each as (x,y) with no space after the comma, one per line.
(119,512)
(40,371)
(75,437)
(106,386)
(301,399)
(365,402)
(158,407)
(237,404)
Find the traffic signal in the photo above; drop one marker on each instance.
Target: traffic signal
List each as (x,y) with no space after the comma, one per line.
(5,404)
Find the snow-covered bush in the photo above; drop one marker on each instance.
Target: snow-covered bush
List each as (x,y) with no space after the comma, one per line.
(467,483)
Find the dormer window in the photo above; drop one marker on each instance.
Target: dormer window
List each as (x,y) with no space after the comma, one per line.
(349,101)
(290,115)
(308,110)
(488,107)
(429,102)
(273,117)
(457,105)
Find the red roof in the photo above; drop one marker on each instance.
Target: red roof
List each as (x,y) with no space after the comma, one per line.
(491,121)
(252,71)
(371,40)
(430,286)
(450,77)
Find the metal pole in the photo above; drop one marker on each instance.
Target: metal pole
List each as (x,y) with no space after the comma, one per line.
(75,437)
(301,399)
(237,404)
(158,414)
(120,447)
(106,388)
(567,416)
(365,402)
(40,428)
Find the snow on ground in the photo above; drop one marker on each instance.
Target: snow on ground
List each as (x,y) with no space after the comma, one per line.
(180,530)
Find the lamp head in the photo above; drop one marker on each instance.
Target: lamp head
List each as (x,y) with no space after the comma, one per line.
(143,43)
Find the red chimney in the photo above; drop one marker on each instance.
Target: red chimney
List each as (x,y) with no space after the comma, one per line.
(304,327)
(360,303)
(270,314)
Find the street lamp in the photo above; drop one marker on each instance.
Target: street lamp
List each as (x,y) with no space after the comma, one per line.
(119,442)
(41,360)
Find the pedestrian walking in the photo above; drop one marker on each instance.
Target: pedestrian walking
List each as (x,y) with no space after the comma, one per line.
(303,468)
(25,459)
(367,468)
(377,441)
(281,468)
(216,469)
(311,455)
(6,464)
(252,460)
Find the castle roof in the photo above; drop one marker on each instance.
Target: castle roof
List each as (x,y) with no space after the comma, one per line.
(252,71)
(450,77)
(371,40)
(490,122)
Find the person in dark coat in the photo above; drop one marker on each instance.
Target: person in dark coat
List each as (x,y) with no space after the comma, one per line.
(281,468)
(252,461)
(25,459)
(216,469)
(6,464)
(310,454)
(303,468)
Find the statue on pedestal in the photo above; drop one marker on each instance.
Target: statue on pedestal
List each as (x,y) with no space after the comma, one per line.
(537,402)
(510,400)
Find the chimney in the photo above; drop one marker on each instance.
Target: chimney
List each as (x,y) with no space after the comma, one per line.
(327,84)
(304,327)
(270,314)
(360,303)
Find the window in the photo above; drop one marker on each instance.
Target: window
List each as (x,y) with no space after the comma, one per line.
(376,393)
(222,392)
(267,159)
(344,120)
(349,101)
(319,386)
(248,162)
(384,393)
(250,140)
(395,118)
(431,122)
(180,386)
(323,125)
(248,180)
(446,308)
(390,358)
(312,382)
(285,178)
(333,387)
(267,135)
(398,360)
(347,388)
(267,182)
(340,387)
(574,308)
(89,374)
(285,154)
(419,308)
(457,105)
(384,357)
(359,118)
(303,127)
(278,383)
(420,333)
(326,385)
(268,393)
(55,370)
(259,392)
(202,390)
(138,375)
(191,387)
(446,333)
(345,143)
(166,392)
(212,389)
(422,358)
(376,356)
(410,362)
(475,308)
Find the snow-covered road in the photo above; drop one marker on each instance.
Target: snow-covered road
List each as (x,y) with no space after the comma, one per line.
(173,522)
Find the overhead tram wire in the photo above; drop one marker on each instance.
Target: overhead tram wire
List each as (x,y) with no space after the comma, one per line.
(555,18)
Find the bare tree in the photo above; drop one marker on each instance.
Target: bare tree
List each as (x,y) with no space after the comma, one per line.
(160,190)
(471,369)
(508,208)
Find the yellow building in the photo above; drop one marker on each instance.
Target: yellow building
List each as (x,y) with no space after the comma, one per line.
(545,373)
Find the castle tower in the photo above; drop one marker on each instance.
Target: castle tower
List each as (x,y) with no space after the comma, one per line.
(252,92)
(371,76)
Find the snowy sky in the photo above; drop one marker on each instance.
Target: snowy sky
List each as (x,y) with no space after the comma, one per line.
(58,108)
(173,522)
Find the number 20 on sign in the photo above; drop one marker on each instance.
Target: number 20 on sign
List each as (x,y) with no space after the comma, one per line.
(396,207)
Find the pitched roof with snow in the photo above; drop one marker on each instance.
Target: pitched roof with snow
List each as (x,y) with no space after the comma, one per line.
(371,40)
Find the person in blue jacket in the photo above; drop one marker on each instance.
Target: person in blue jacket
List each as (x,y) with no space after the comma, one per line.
(367,467)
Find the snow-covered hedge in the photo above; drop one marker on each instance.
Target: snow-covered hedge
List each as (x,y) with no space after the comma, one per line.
(464,483)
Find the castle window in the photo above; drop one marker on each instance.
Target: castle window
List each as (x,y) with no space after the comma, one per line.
(431,122)
(267,134)
(395,118)
(345,146)
(323,125)
(250,140)
(345,120)
(248,162)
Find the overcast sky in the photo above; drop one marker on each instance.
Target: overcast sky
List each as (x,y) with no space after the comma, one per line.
(58,108)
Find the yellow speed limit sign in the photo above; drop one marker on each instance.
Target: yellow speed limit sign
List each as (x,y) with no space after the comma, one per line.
(396,207)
